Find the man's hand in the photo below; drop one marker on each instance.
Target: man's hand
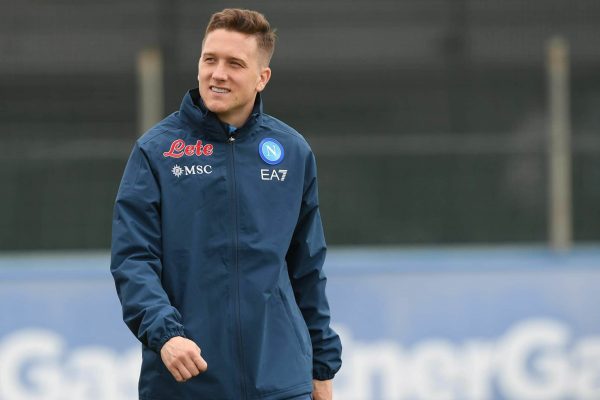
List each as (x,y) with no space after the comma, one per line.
(322,390)
(182,358)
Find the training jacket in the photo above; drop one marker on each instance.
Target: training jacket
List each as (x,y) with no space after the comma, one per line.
(219,239)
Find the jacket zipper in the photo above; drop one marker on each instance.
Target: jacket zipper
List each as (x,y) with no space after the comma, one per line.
(234,207)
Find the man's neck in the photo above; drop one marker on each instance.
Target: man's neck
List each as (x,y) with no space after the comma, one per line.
(237,120)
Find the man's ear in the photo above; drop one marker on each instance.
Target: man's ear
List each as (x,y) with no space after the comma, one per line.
(265,75)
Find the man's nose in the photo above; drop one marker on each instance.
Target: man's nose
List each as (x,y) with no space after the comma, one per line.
(219,73)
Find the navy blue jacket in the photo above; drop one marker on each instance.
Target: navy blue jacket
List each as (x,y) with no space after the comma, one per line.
(221,241)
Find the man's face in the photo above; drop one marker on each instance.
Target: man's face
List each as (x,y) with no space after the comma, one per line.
(231,71)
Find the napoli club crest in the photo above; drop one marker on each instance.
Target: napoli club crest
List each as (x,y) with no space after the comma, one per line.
(271,151)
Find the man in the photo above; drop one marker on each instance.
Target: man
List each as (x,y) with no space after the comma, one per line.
(218,247)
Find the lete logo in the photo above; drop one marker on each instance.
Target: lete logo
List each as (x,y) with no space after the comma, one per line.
(179,149)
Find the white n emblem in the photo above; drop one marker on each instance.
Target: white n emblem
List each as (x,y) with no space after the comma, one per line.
(272,150)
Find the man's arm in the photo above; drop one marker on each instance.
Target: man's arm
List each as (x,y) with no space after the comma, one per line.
(137,267)
(305,260)
(136,255)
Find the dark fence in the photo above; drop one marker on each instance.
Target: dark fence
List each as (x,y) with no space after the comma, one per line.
(428,118)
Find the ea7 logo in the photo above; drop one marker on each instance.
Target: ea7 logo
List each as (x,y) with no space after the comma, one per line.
(273,174)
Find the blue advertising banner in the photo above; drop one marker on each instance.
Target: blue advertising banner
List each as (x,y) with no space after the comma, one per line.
(423,324)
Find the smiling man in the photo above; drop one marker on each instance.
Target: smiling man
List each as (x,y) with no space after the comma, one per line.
(218,246)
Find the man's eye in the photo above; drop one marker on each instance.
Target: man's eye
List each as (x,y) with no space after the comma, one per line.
(209,60)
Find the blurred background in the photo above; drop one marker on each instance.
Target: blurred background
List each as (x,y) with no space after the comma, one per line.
(444,209)
(429,118)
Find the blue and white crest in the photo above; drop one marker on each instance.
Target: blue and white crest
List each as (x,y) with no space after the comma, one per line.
(271,151)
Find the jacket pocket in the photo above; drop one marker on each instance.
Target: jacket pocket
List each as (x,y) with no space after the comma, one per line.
(294,322)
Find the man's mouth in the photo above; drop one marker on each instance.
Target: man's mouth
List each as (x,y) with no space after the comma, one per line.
(219,89)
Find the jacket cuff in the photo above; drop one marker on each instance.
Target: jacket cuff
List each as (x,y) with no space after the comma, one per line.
(323,373)
(169,335)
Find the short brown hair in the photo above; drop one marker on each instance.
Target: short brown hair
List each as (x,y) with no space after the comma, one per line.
(248,22)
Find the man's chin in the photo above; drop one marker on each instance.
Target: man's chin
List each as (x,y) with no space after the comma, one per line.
(216,107)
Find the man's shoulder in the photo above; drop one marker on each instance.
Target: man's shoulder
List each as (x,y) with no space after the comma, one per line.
(276,125)
(163,132)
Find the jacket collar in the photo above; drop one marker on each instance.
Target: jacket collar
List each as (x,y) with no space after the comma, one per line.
(194,111)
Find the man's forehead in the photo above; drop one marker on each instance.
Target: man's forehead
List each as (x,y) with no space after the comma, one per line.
(222,41)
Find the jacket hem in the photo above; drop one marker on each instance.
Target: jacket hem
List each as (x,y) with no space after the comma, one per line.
(304,388)
(294,391)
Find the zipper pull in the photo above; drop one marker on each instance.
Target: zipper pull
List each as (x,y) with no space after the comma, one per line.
(231,139)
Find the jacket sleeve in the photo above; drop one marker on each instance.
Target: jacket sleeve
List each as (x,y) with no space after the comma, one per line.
(305,259)
(136,255)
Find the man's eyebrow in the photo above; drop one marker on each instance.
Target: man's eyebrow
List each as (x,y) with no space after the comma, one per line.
(228,58)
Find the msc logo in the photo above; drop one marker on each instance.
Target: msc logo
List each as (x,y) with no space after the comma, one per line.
(273,174)
(191,170)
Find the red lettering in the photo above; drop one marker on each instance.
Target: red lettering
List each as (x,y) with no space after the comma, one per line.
(189,150)
(199,147)
(179,149)
(175,150)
